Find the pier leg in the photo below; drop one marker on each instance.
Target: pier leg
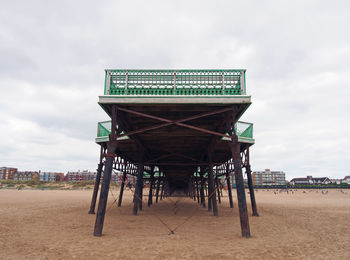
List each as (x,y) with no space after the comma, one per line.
(157,189)
(242,204)
(111,148)
(96,187)
(122,190)
(162,191)
(141,194)
(137,194)
(150,194)
(218,189)
(194,189)
(229,188)
(197,190)
(212,190)
(202,190)
(251,191)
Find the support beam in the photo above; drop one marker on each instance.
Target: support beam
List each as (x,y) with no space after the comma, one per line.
(194,189)
(178,122)
(141,192)
(212,191)
(197,189)
(162,191)
(97,184)
(122,189)
(111,149)
(157,189)
(242,204)
(150,194)
(202,189)
(251,191)
(218,188)
(229,188)
(137,193)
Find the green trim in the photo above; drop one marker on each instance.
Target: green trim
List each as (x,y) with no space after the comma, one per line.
(218,82)
(174,96)
(245,136)
(176,70)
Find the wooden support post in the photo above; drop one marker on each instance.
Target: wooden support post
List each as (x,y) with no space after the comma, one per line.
(162,191)
(137,193)
(209,192)
(157,189)
(141,193)
(212,190)
(197,190)
(193,189)
(111,148)
(218,189)
(122,189)
(229,189)
(96,187)
(202,190)
(251,191)
(242,204)
(150,194)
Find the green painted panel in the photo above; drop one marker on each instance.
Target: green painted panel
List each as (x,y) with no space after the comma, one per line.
(242,129)
(175,82)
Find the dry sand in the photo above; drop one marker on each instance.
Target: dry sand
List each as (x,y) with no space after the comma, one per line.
(37,224)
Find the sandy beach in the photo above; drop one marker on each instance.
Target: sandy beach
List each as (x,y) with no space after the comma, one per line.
(54,224)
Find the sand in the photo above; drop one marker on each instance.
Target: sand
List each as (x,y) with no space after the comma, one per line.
(37,224)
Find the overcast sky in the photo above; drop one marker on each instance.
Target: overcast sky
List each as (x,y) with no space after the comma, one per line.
(297,55)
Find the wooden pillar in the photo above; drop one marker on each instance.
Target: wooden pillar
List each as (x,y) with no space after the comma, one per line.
(162,191)
(218,189)
(150,194)
(202,190)
(157,189)
(251,191)
(141,193)
(111,148)
(229,189)
(193,189)
(212,190)
(197,190)
(97,184)
(242,204)
(209,192)
(137,193)
(122,189)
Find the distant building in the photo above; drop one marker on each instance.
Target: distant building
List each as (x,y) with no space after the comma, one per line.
(309,180)
(51,176)
(336,181)
(269,177)
(24,175)
(116,177)
(7,173)
(81,176)
(346,180)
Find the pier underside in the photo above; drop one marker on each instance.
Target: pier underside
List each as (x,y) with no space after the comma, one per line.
(176,149)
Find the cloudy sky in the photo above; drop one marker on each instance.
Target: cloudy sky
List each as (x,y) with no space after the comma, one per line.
(297,55)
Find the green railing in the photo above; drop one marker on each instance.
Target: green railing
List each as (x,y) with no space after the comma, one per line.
(175,82)
(104,128)
(243,130)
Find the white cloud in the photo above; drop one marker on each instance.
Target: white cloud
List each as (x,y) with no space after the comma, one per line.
(52,57)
